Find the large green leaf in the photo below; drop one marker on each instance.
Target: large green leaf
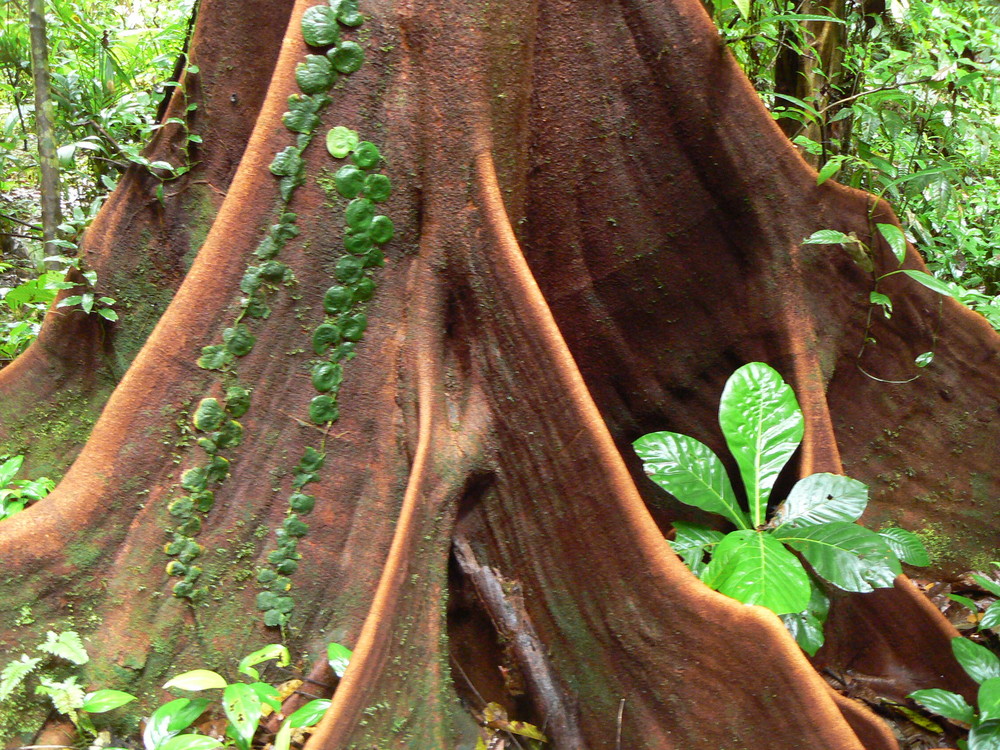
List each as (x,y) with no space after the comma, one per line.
(9,469)
(989,699)
(170,719)
(806,626)
(991,618)
(689,471)
(763,426)
(906,546)
(692,542)
(979,662)
(755,568)
(243,709)
(985,736)
(822,498)
(944,703)
(849,556)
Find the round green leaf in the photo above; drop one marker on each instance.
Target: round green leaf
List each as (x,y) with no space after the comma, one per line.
(326,376)
(319,26)
(822,498)
(357,243)
(349,269)
(325,336)
(347,56)
(364,290)
(209,415)
(347,12)
(314,75)
(847,555)
(691,472)
(354,327)
(754,568)
(366,155)
(238,339)
(214,357)
(763,425)
(237,401)
(340,141)
(378,187)
(359,214)
(338,299)
(349,180)
(323,409)
(381,230)
(301,503)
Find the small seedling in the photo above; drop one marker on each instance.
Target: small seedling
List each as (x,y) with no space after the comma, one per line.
(983,666)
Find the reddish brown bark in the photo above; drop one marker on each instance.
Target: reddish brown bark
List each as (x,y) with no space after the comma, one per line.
(596,222)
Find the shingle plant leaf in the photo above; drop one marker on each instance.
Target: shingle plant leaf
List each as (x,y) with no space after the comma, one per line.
(319,26)
(762,425)
(340,141)
(349,181)
(314,75)
(377,187)
(347,57)
(366,155)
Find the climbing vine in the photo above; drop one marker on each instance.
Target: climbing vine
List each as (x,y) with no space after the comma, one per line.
(333,339)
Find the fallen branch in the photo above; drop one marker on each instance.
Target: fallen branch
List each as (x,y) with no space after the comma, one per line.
(512,622)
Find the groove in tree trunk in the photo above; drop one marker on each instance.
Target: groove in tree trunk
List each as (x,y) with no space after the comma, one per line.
(595,223)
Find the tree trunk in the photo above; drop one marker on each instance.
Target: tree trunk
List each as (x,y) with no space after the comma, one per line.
(595,222)
(48,162)
(811,70)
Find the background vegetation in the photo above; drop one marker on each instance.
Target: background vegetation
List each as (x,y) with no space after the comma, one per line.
(111,63)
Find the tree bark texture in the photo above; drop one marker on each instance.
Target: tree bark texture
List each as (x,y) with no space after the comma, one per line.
(596,221)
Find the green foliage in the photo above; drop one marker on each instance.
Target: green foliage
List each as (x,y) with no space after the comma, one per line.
(763,426)
(17,494)
(912,113)
(244,705)
(68,697)
(983,666)
(861,254)
(990,619)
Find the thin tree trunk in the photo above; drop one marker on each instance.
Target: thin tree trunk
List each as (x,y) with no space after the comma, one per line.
(47,160)
(813,73)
